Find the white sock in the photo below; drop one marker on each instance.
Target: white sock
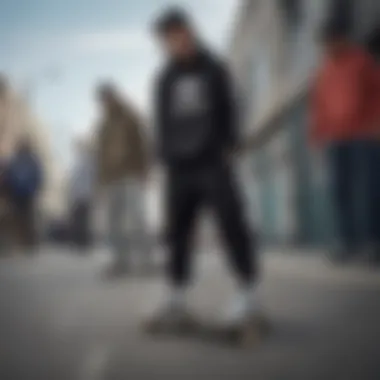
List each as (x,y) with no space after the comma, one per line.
(163,298)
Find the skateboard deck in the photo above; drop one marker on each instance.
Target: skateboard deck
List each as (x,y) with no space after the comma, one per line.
(245,334)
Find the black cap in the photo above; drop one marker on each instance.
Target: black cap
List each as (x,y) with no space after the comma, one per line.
(173,18)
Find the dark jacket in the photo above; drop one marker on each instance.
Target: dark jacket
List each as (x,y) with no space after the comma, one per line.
(24,175)
(195,111)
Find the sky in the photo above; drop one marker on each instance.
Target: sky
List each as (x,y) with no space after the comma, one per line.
(57,50)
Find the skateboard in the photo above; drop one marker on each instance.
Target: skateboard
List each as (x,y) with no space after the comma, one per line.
(245,334)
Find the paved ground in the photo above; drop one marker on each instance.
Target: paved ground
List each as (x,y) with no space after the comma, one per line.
(59,320)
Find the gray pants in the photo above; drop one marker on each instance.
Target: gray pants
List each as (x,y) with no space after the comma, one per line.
(126,219)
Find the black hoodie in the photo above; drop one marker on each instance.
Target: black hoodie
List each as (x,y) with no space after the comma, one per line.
(195,111)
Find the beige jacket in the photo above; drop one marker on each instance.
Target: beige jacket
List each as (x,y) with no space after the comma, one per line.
(121,150)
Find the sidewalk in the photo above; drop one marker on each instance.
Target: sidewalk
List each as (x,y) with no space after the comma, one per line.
(326,322)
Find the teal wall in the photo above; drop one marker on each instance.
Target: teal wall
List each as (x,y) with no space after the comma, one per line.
(314,206)
(313,209)
(267,197)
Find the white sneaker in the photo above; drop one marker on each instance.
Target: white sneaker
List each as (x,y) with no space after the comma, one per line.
(244,306)
(170,313)
(115,270)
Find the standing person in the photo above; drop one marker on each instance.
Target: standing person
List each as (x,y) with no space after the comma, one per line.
(6,142)
(197,131)
(344,112)
(81,194)
(374,157)
(24,180)
(122,166)
(4,207)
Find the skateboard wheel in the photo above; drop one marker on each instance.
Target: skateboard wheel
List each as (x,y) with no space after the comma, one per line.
(248,334)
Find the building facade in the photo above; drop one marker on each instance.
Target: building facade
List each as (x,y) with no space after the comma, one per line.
(274,55)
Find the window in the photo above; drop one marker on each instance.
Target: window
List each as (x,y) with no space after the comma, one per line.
(293,19)
(292,12)
(260,85)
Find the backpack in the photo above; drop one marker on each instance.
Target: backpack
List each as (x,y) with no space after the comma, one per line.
(24,176)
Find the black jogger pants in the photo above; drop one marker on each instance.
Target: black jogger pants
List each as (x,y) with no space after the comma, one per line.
(212,186)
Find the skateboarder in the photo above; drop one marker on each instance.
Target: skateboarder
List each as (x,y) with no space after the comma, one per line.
(197,132)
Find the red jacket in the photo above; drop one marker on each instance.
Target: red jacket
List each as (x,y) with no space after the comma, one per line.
(346,98)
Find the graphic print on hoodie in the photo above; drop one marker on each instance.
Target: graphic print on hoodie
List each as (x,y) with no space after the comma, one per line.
(194,111)
(188,97)
(189,111)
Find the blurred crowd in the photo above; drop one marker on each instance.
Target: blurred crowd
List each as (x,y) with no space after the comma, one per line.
(196,127)
(197,139)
